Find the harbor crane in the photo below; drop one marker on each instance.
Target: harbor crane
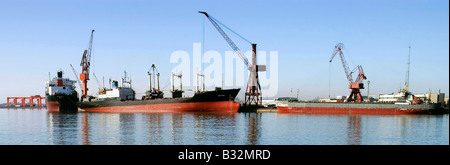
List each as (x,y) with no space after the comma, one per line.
(85,65)
(356,85)
(253,94)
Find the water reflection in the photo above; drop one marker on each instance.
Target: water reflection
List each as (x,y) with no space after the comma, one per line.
(254,127)
(353,130)
(176,128)
(127,127)
(85,129)
(62,128)
(157,128)
(213,128)
(221,129)
(154,128)
(199,128)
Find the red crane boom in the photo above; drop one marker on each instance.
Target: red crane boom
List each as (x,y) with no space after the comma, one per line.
(356,85)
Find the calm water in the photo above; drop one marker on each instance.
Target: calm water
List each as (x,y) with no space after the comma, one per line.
(37,126)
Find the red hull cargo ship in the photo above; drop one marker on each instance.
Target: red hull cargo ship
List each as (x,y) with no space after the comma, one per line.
(208,101)
(122,99)
(357,108)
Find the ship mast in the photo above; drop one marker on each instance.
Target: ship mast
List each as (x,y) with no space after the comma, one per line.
(406,89)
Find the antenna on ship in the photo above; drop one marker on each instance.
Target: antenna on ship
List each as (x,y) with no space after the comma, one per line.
(290,97)
(125,79)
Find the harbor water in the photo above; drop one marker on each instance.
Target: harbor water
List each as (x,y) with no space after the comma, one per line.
(38,127)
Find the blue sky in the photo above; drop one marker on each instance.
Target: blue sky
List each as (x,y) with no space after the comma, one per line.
(37,37)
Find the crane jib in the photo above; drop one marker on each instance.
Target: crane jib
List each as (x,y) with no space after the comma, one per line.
(253,92)
(355,86)
(227,39)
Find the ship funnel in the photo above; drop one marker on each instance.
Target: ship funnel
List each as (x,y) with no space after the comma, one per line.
(114,84)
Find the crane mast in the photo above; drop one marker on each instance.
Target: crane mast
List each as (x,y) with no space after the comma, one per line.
(253,94)
(407,72)
(356,85)
(85,65)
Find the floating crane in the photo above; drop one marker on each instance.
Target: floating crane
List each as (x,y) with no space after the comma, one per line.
(356,85)
(85,65)
(253,93)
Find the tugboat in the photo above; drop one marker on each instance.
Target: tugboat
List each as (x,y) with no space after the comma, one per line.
(61,95)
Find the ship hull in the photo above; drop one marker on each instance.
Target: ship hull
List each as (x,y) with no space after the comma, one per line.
(357,109)
(219,106)
(62,103)
(52,106)
(211,101)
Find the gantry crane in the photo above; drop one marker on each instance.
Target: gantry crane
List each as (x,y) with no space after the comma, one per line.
(356,85)
(253,94)
(85,65)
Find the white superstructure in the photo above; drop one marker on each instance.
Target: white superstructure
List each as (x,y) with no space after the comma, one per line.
(123,92)
(60,85)
(389,98)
